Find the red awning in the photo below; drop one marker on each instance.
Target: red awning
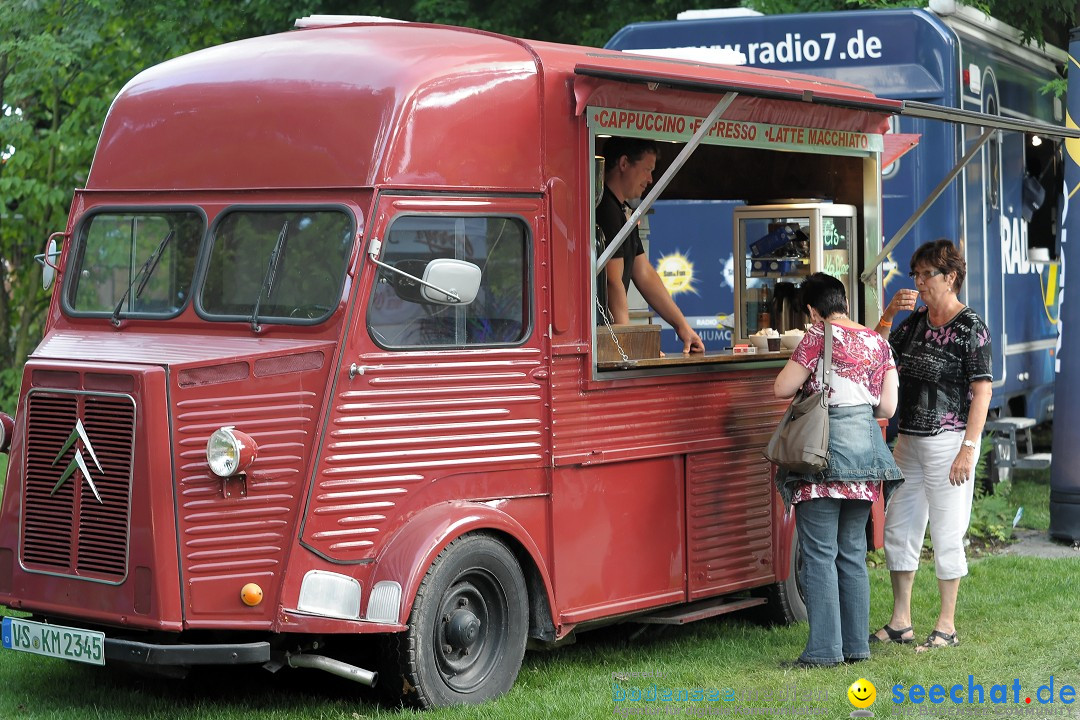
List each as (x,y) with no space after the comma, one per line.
(896,146)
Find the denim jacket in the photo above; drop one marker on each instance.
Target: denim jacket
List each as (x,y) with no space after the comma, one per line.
(857,451)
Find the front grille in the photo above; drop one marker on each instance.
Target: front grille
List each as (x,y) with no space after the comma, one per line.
(67,529)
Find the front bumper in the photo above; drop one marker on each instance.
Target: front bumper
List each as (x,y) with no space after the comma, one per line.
(140,653)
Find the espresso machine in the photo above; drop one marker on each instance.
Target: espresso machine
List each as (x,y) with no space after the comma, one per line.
(776,247)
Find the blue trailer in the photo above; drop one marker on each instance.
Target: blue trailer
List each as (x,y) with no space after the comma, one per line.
(1065,473)
(1004,205)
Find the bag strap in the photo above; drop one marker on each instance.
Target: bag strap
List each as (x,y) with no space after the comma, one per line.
(826,368)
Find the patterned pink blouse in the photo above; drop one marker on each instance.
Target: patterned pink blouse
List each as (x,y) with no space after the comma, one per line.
(861,358)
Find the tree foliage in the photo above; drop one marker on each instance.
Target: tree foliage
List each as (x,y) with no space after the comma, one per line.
(62,62)
(48,130)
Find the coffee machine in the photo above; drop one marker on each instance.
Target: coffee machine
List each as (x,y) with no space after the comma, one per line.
(777,246)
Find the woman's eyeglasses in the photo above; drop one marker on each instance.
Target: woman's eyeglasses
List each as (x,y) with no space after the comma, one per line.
(924,275)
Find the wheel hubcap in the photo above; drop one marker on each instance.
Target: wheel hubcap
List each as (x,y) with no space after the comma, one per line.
(462,630)
(469,635)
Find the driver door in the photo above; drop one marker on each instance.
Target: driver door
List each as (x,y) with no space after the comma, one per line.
(436,402)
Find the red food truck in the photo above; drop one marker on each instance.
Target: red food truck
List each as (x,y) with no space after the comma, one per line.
(323,363)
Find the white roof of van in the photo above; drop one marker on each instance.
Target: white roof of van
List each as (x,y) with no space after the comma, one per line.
(310,21)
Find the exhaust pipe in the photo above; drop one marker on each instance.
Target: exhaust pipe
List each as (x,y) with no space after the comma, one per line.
(335,667)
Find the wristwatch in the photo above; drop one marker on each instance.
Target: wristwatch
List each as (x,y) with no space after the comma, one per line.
(970,443)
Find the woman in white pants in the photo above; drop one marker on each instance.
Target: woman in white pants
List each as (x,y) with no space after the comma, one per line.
(944,362)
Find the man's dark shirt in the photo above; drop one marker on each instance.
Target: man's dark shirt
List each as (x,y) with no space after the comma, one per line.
(611,216)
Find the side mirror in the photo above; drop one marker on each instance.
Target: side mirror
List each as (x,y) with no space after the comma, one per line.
(446,281)
(7,430)
(457,276)
(48,261)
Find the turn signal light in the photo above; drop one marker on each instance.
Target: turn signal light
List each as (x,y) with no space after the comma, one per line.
(251,594)
(229,451)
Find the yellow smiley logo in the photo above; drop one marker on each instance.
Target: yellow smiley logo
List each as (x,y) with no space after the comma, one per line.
(862,693)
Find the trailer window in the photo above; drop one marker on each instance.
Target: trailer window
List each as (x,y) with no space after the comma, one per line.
(280,265)
(399,317)
(135,263)
(993,154)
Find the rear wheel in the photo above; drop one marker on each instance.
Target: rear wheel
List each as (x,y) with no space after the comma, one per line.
(786,604)
(467,630)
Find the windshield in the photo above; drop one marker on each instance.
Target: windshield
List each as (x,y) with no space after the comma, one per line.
(135,263)
(277,265)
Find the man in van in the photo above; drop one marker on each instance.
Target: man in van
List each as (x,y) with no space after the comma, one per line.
(629,164)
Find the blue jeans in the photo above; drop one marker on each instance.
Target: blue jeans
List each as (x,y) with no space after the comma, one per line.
(832,534)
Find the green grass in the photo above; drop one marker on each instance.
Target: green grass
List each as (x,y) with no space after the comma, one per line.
(992,515)
(1017,620)
(1031,491)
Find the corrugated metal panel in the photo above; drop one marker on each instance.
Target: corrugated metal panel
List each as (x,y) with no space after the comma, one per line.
(729,520)
(734,410)
(243,533)
(410,420)
(720,424)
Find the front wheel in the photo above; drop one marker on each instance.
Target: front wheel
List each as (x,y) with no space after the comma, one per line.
(467,630)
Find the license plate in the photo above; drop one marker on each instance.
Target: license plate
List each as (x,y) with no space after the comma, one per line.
(87,646)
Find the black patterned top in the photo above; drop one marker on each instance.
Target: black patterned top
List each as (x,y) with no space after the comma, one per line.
(937,366)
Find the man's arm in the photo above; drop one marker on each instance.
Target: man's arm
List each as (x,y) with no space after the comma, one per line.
(617,302)
(652,289)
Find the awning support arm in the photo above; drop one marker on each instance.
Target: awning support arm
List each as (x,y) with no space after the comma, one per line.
(660,185)
(868,274)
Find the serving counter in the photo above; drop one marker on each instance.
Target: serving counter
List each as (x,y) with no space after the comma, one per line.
(711,357)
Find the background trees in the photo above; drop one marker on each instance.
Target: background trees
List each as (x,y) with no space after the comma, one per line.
(62,62)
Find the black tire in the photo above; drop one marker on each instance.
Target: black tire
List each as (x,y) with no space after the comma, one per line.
(786,604)
(467,630)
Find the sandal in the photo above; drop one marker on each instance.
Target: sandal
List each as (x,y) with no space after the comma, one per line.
(947,640)
(896,636)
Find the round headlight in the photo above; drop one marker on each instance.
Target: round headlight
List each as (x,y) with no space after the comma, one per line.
(229,451)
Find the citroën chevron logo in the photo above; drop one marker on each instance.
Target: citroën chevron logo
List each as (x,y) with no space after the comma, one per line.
(78,433)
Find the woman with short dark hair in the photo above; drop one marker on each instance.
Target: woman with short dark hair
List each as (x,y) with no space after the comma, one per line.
(832,507)
(944,362)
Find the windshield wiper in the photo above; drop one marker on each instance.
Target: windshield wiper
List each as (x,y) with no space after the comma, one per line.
(144,275)
(271,272)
